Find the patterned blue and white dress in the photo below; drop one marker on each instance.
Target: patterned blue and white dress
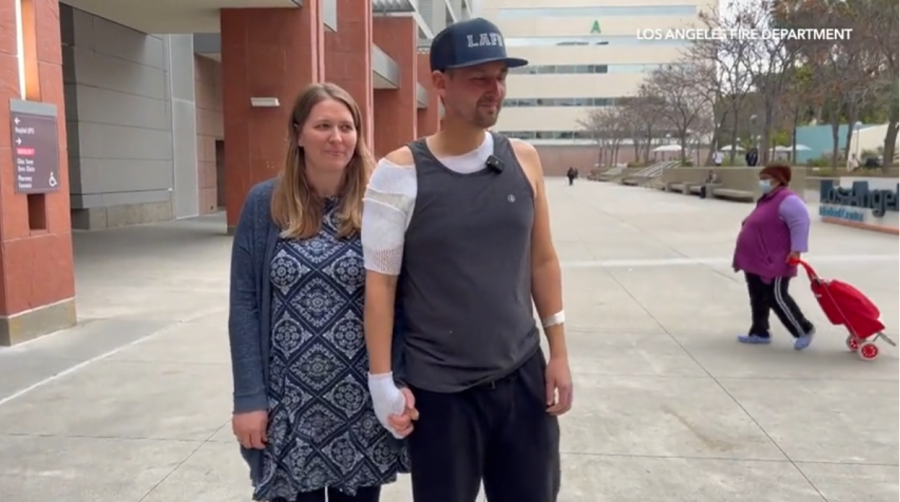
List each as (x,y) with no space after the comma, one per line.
(322,429)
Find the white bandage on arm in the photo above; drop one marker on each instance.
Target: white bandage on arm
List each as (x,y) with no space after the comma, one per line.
(387,209)
(555,319)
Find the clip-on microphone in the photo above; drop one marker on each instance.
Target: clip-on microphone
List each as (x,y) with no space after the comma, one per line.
(494,164)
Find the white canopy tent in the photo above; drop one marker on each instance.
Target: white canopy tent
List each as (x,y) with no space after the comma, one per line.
(787,149)
(667,148)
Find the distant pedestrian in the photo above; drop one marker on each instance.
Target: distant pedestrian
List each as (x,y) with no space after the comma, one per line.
(711,179)
(752,157)
(852,163)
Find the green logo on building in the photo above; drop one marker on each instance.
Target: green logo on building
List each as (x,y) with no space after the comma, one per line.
(595,28)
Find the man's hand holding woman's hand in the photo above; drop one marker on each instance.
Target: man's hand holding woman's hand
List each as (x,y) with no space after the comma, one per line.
(394,408)
(403,423)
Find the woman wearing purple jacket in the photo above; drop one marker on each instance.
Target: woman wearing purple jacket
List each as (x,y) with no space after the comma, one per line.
(774,234)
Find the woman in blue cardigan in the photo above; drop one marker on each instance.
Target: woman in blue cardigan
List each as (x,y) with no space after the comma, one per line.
(302,411)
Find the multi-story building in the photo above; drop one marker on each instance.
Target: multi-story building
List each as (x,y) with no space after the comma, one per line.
(583,54)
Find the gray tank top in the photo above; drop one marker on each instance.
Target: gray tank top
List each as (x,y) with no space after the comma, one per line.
(465,285)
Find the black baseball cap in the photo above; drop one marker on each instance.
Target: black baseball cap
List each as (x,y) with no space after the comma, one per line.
(469,43)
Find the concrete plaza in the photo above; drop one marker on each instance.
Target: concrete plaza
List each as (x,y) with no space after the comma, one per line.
(134,404)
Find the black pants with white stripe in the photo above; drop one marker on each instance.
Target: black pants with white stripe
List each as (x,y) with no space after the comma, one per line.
(774,296)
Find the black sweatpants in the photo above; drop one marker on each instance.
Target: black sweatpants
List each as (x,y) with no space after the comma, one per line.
(774,296)
(498,432)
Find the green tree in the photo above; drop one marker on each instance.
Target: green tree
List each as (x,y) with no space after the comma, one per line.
(853,79)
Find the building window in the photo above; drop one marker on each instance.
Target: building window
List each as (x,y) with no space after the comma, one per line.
(634,68)
(535,102)
(569,69)
(610,11)
(592,40)
(547,134)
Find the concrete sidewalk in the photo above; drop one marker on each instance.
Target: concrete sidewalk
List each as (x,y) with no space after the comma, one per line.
(134,404)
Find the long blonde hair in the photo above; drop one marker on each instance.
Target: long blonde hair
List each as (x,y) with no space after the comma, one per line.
(296,208)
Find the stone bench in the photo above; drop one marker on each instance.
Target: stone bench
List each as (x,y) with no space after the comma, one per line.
(692,187)
(733,195)
(655,184)
(634,181)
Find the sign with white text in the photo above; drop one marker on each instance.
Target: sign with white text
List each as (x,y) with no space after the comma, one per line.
(35,146)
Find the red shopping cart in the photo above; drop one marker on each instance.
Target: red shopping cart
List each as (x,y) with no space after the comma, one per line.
(846,306)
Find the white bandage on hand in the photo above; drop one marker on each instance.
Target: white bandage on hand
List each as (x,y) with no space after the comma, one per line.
(387,400)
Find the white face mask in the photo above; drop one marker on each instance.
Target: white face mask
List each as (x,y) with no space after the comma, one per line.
(765,186)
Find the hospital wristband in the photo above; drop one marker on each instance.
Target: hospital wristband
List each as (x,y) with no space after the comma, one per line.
(555,319)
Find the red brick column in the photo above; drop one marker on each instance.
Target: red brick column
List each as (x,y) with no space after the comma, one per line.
(428,119)
(265,53)
(396,109)
(37,286)
(348,56)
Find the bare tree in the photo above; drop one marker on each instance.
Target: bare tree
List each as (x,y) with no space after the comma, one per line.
(607,125)
(681,102)
(844,72)
(703,133)
(798,101)
(633,125)
(768,60)
(710,89)
(878,29)
(639,114)
(724,79)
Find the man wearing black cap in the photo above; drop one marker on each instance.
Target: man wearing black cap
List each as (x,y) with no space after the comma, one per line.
(456,231)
